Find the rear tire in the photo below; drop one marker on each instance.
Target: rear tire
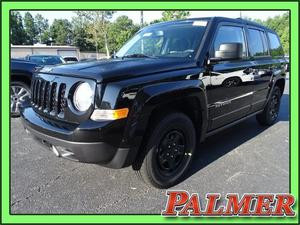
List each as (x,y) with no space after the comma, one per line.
(168,151)
(271,110)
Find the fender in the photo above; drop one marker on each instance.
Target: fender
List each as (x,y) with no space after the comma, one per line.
(156,95)
(274,80)
(22,76)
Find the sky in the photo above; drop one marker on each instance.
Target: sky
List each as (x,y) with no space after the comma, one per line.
(152,15)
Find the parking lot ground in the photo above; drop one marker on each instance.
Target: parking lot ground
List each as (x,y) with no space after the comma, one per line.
(242,159)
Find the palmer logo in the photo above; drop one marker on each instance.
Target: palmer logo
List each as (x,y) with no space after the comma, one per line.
(181,203)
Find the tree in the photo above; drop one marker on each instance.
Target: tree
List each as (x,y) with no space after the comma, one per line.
(120,31)
(30,29)
(142,18)
(280,24)
(174,15)
(60,32)
(98,27)
(42,27)
(45,38)
(80,35)
(17,31)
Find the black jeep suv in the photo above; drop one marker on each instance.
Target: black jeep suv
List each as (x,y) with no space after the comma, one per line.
(170,86)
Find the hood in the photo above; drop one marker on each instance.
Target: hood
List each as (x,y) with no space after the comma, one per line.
(117,69)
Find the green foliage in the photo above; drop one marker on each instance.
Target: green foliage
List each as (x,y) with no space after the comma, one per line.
(280,24)
(80,34)
(17,31)
(42,27)
(60,32)
(174,15)
(30,29)
(98,26)
(120,31)
(171,15)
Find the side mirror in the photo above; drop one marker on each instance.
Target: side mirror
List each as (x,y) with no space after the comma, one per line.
(228,51)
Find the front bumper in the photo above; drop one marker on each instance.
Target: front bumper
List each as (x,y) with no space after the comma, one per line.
(84,143)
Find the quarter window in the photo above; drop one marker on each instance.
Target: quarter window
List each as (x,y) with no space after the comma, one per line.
(230,34)
(256,43)
(275,46)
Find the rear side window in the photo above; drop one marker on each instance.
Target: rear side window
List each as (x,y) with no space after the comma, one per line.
(275,46)
(265,42)
(257,45)
(230,34)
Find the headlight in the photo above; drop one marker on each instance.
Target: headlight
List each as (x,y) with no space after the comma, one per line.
(83,97)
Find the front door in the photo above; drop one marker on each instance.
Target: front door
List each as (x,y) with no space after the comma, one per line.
(229,84)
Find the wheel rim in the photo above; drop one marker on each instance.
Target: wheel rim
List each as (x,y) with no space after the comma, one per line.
(274,107)
(171,152)
(18,95)
(231,83)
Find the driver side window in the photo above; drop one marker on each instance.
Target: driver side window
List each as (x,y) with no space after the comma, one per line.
(229,34)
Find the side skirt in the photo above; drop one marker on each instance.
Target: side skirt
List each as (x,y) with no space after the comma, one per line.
(210,133)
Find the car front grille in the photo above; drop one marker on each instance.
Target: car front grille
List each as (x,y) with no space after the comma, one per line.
(49,97)
(52,96)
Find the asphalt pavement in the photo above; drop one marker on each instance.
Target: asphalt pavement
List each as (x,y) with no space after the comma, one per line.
(245,158)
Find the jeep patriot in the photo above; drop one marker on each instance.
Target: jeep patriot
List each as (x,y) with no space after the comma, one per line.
(168,88)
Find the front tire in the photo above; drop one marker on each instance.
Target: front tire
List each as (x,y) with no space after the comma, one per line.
(168,151)
(271,110)
(19,92)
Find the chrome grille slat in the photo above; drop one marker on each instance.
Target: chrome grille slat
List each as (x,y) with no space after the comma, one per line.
(42,93)
(38,93)
(53,111)
(48,108)
(61,99)
(45,95)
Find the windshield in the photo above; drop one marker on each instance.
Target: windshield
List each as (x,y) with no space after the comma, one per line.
(169,40)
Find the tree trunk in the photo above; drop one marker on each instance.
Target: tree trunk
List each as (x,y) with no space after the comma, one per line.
(106,46)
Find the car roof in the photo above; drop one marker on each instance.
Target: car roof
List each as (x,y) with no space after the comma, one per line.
(216,19)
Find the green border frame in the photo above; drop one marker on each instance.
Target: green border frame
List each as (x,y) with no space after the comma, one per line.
(134,5)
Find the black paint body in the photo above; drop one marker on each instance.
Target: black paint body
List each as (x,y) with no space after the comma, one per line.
(21,70)
(147,86)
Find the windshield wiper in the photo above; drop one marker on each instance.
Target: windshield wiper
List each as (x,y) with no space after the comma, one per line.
(136,56)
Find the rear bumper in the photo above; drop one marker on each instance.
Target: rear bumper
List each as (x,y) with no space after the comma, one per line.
(64,142)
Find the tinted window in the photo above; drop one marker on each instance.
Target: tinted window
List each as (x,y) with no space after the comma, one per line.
(179,39)
(275,46)
(256,44)
(230,34)
(46,60)
(265,42)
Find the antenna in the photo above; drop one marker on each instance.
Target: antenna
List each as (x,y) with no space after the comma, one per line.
(241,14)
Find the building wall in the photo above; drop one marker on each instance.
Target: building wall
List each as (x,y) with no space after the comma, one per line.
(87,55)
(22,51)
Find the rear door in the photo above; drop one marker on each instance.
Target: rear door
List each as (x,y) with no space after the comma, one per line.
(264,65)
